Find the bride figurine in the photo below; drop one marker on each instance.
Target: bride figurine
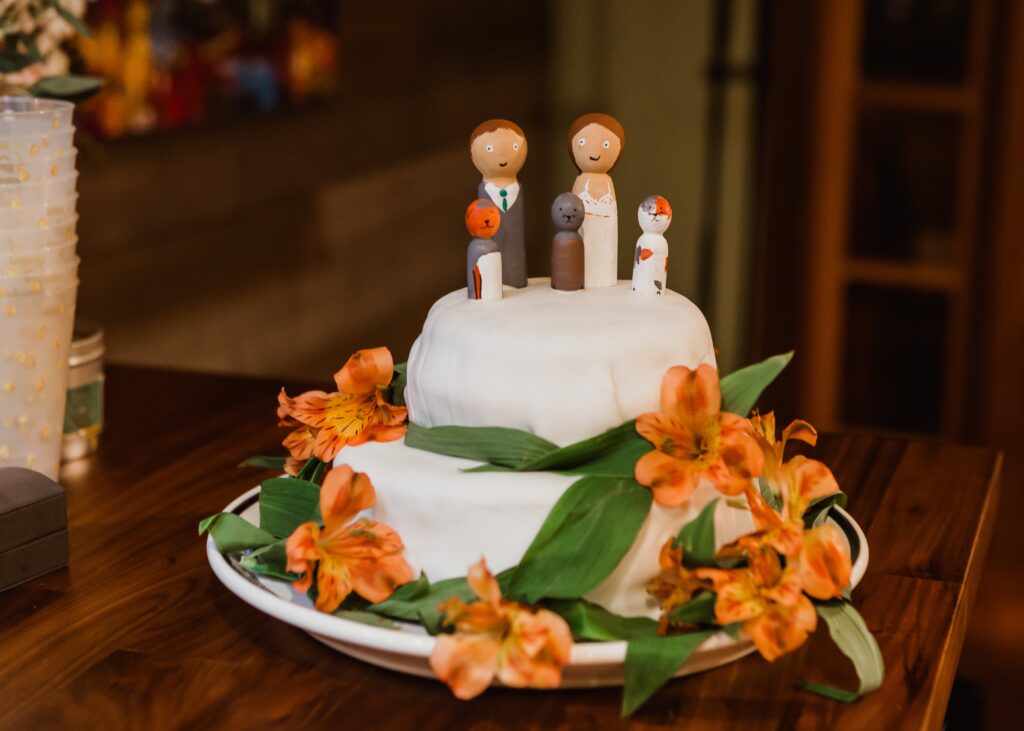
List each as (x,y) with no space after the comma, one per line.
(595,143)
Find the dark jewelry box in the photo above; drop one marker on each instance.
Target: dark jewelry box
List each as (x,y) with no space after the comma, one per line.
(33,526)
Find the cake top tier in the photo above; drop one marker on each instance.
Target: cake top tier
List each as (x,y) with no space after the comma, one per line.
(563,365)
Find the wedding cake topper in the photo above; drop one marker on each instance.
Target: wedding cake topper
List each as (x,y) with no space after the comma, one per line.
(595,143)
(567,255)
(498,150)
(483,258)
(650,261)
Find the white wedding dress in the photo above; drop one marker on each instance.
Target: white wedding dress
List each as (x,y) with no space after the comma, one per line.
(600,232)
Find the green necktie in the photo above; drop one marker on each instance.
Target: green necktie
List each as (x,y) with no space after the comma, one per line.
(504,200)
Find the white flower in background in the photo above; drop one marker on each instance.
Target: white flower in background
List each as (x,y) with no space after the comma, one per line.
(39,21)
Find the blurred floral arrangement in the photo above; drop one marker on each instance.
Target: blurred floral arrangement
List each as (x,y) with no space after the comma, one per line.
(177,63)
(33,56)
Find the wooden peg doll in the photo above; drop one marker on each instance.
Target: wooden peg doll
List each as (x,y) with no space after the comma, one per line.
(483,259)
(567,255)
(498,150)
(595,144)
(650,260)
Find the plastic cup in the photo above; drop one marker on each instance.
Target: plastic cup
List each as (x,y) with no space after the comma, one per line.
(43,262)
(38,146)
(24,115)
(35,334)
(51,192)
(14,171)
(27,285)
(15,253)
(21,240)
(32,217)
(39,260)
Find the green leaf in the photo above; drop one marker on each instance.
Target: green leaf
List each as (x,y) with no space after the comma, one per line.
(653,661)
(418,601)
(410,600)
(70,18)
(269,561)
(582,540)
(770,494)
(619,462)
(836,694)
(364,617)
(396,389)
(493,444)
(588,621)
(234,533)
(817,511)
(11,62)
(699,610)
(579,453)
(741,389)
(72,88)
(286,503)
(310,469)
(851,635)
(697,538)
(264,463)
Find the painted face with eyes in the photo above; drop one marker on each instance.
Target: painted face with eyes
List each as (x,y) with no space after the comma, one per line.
(595,149)
(498,154)
(482,219)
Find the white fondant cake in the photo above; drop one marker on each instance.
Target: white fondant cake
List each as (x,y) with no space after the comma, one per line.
(448,518)
(562,365)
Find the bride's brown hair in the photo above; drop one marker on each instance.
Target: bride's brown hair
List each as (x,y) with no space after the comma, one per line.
(607,121)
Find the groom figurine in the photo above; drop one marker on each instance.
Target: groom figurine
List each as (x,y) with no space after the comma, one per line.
(498,149)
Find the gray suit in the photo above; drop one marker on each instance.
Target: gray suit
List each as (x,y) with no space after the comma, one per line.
(511,239)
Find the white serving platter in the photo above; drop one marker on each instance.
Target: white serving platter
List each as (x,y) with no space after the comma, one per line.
(407,648)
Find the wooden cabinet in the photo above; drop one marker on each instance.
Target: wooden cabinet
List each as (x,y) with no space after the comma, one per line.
(890,235)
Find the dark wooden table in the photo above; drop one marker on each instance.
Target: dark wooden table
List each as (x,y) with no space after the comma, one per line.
(138,633)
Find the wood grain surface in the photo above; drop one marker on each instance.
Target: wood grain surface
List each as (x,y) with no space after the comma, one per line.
(138,633)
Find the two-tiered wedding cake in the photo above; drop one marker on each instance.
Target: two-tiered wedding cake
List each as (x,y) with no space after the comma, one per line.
(565,366)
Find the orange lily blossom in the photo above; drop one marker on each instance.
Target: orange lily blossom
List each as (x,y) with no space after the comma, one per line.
(799,482)
(496,637)
(675,585)
(767,599)
(694,439)
(820,555)
(349,555)
(355,414)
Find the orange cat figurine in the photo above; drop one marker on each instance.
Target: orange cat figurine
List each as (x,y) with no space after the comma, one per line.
(483,258)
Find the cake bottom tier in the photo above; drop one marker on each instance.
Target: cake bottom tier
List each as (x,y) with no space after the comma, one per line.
(448,518)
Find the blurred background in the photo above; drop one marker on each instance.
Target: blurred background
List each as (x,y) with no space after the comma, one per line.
(267,186)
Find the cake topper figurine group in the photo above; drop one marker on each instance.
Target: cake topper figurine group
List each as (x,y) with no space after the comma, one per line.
(584,251)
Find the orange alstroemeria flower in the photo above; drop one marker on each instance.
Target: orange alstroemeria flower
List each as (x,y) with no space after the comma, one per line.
(799,482)
(355,414)
(694,439)
(495,637)
(820,557)
(362,555)
(767,599)
(675,585)
(823,563)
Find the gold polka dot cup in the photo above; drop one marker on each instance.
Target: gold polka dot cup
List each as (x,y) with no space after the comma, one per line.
(15,170)
(38,146)
(51,192)
(26,116)
(35,332)
(20,217)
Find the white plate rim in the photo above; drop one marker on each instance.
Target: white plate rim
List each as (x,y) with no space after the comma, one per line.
(413,645)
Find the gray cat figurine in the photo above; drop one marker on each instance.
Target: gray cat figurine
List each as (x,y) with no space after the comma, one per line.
(567,254)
